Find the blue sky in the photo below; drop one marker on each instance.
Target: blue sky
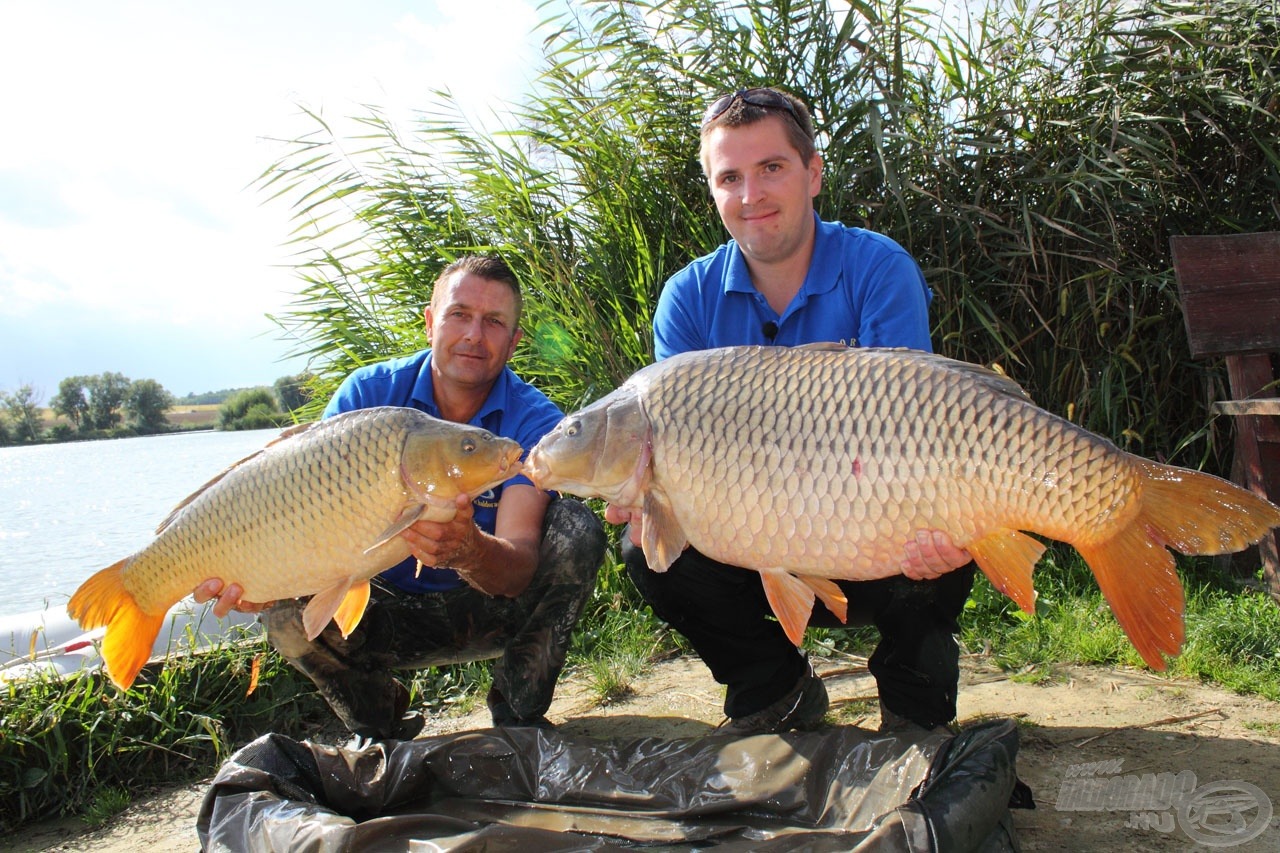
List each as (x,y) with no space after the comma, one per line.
(130,237)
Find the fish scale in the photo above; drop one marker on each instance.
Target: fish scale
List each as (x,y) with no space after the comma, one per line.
(316,512)
(822,462)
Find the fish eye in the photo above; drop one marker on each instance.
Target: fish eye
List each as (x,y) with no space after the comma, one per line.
(572,428)
(468,445)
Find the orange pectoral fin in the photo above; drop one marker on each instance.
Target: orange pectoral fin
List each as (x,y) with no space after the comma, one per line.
(831,594)
(322,607)
(1007,557)
(791,600)
(131,632)
(664,538)
(406,519)
(351,611)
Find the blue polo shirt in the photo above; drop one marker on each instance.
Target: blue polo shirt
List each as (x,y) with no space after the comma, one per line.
(514,409)
(862,289)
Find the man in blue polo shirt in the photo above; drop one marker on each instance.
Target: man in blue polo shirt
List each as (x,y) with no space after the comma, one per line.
(788,278)
(520,564)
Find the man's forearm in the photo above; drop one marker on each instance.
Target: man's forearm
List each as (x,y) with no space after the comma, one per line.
(497,567)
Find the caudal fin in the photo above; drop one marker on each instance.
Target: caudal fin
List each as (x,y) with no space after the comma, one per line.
(1193,512)
(1138,578)
(131,632)
(1200,514)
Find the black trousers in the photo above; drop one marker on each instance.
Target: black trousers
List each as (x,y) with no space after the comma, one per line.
(723,612)
(529,634)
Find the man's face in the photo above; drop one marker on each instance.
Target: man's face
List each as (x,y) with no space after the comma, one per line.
(762,189)
(471,324)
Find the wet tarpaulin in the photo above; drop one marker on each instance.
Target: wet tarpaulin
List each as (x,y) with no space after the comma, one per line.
(536,790)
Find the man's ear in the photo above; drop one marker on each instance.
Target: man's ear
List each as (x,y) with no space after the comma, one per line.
(815,175)
(426,319)
(515,339)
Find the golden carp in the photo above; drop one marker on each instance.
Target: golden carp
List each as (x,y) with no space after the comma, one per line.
(315,512)
(822,462)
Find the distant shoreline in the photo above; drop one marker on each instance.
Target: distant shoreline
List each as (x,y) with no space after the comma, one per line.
(183,418)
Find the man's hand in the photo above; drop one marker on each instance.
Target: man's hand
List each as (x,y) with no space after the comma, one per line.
(449,544)
(615,514)
(932,555)
(227,599)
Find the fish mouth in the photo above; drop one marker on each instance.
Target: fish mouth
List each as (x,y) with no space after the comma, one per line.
(535,467)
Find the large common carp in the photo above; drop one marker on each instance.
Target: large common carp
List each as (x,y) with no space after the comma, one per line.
(821,462)
(315,512)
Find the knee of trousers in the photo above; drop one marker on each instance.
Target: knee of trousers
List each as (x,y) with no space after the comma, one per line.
(285,632)
(661,590)
(573,542)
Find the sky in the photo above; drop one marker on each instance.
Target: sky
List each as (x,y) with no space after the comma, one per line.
(132,239)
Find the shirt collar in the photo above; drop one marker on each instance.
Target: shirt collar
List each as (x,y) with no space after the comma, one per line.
(824,268)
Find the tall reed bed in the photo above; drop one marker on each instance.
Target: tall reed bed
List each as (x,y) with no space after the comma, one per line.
(1035,157)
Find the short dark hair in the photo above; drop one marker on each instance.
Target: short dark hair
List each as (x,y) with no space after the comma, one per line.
(489,267)
(740,113)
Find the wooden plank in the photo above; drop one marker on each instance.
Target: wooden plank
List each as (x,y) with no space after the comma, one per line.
(1248,407)
(1230,290)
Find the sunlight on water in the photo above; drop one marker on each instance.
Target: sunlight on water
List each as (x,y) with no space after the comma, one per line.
(67,510)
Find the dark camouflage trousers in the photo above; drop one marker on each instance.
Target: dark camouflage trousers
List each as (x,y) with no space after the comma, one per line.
(529,634)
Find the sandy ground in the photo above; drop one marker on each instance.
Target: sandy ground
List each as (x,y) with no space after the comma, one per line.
(1080,728)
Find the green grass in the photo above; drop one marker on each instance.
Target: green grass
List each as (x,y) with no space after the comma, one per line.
(70,746)
(105,804)
(1231,628)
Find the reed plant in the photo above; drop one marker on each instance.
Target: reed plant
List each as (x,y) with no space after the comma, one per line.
(1035,157)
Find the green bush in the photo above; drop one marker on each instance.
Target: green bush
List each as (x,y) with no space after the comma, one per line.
(252,408)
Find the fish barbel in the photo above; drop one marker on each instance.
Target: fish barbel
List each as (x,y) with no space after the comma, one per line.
(822,462)
(315,512)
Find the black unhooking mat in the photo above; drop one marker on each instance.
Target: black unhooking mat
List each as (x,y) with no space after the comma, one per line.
(530,790)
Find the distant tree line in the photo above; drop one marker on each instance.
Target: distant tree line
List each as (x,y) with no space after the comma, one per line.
(110,405)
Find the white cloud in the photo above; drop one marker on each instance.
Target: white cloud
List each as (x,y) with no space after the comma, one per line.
(131,143)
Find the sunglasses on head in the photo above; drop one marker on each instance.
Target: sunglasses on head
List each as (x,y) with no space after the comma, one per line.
(766,98)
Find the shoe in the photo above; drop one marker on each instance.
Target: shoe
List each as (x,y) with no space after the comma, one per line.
(407,727)
(803,708)
(504,715)
(410,726)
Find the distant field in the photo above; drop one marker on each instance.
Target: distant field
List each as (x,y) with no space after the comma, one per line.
(203,414)
(183,415)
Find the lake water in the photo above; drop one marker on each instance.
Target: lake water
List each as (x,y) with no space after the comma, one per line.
(67,510)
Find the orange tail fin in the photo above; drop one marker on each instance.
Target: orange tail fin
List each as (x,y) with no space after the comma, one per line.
(1197,514)
(1137,577)
(103,600)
